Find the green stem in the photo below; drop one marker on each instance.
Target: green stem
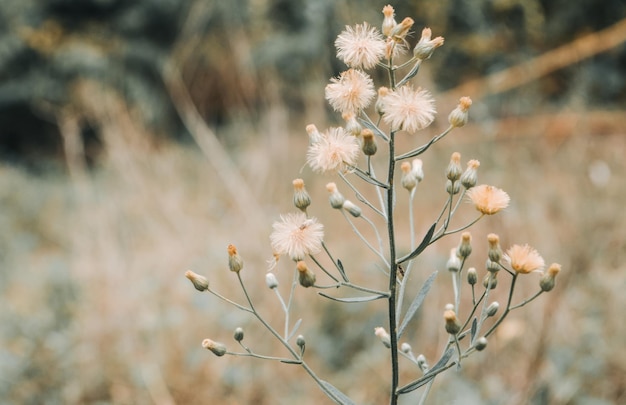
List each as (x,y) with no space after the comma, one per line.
(393,270)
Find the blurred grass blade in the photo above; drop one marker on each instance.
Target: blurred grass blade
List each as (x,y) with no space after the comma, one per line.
(354,299)
(336,395)
(421,247)
(417,302)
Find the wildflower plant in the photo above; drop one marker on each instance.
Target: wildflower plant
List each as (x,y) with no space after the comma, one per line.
(374,118)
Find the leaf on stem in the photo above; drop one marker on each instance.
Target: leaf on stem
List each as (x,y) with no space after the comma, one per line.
(423,245)
(295,328)
(354,299)
(417,302)
(429,375)
(473,330)
(336,395)
(374,128)
(342,271)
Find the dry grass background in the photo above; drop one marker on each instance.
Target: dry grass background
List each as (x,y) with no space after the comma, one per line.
(96,308)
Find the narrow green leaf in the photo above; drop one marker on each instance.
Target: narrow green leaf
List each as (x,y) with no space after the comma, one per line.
(336,395)
(473,330)
(374,129)
(417,302)
(354,299)
(342,271)
(423,245)
(291,361)
(295,328)
(432,373)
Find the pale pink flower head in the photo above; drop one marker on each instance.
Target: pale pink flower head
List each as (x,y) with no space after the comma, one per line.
(335,152)
(408,109)
(524,259)
(361,46)
(297,236)
(488,199)
(352,91)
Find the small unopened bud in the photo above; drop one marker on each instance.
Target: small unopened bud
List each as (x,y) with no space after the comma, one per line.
(354,210)
(389,22)
(481,343)
(465,247)
(493,282)
(495,252)
(492,309)
(453,188)
(400,31)
(405,348)
(235,262)
(301,199)
(472,276)
(548,280)
(217,348)
(300,342)
(460,115)
(408,180)
(380,101)
(426,46)
(417,169)
(199,282)
(271,281)
(454,263)
(422,363)
(470,175)
(336,198)
(383,336)
(452,323)
(491,266)
(454,170)
(352,125)
(314,135)
(305,276)
(369,143)
(238,335)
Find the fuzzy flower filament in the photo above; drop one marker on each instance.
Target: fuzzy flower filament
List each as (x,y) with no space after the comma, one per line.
(297,236)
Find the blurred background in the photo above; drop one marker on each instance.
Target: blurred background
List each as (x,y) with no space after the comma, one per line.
(139,138)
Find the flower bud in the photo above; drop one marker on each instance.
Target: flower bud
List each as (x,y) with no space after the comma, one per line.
(453,188)
(405,348)
(383,336)
(271,281)
(238,335)
(452,323)
(408,180)
(354,210)
(301,199)
(300,342)
(422,363)
(470,175)
(472,276)
(494,280)
(492,309)
(481,343)
(454,263)
(460,115)
(235,262)
(454,170)
(389,22)
(336,198)
(199,282)
(305,276)
(492,267)
(352,125)
(426,46)
(417,169)
(400,31)
(495,252)
(369,143)
(465,247)
(218,349)
(548,280)
(314,135)
(380,101)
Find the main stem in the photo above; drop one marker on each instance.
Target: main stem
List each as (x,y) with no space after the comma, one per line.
(393,271)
